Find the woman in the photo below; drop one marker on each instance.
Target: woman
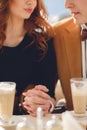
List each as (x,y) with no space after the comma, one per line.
(27,54)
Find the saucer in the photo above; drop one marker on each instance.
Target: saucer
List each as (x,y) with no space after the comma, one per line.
(78,115)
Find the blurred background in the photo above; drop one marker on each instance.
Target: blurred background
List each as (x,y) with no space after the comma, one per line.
(56,10)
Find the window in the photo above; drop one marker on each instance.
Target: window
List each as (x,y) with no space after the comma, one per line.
(56,9)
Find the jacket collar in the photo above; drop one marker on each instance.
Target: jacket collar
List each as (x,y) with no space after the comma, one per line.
(73,48)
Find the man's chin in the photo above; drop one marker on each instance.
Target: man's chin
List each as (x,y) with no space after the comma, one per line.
(79,21)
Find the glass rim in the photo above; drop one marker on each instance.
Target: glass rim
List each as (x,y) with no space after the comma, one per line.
(11,82)
(78,79)
(7,84)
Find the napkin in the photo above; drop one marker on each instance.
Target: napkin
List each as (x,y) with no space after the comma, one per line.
(69,122)
(1,128)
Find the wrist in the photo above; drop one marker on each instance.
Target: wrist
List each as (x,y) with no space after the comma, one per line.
(51,107)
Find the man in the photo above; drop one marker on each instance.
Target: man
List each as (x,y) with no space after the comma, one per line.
(78,9)
(69,47)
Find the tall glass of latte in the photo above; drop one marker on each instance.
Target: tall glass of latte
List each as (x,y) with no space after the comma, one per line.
(7,94)
(79,90)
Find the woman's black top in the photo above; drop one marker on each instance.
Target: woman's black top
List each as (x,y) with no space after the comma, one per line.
(23,65)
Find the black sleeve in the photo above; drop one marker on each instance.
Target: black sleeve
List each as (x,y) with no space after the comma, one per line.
(45,72)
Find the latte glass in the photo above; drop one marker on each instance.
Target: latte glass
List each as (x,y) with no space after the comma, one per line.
(79,94)
(7,94)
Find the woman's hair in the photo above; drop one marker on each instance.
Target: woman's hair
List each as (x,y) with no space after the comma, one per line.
(36,26)
(3,19)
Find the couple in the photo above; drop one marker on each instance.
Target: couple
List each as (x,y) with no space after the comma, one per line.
(27,55)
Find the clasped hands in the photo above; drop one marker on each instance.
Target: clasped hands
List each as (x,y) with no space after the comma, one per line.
(37,97)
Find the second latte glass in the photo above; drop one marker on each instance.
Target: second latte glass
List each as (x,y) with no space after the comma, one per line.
(79,95)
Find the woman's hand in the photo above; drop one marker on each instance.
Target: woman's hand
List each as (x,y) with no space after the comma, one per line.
(37,97)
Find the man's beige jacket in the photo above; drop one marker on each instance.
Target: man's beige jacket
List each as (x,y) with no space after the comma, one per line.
(67,44)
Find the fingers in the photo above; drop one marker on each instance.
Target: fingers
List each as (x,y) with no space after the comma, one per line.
(32,109)
(38,92)
(32,103)
(42,88)
(36,101)
(37,97)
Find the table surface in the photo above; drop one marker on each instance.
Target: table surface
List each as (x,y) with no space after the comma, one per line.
(32,120)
